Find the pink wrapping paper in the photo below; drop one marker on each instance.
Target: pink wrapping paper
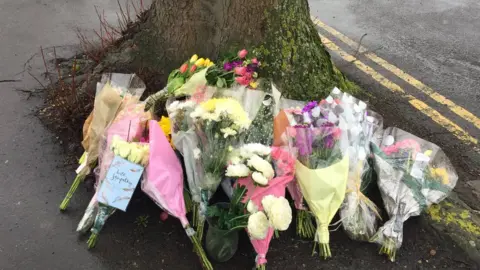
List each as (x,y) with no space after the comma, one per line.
(285,169)
(163,179)
(296,194)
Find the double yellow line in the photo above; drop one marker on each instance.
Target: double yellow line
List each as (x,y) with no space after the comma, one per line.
(416,103)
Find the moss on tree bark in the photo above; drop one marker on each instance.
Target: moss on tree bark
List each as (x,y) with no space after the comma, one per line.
(281,32)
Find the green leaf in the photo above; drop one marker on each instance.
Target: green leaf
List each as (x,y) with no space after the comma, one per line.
(172,75)
(175,84)
(220,83)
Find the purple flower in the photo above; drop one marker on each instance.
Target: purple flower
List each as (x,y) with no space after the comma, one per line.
(228,66)
(252,67)
(310,105)
(304,140)
(237,63)
(329,142)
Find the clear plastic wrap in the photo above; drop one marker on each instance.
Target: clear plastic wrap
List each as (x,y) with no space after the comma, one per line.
(114,92)
(412,175)
(358,213)
(129,125)
(322,166)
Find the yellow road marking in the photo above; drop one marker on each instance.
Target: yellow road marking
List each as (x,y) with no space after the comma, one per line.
(463,113)
(416,103)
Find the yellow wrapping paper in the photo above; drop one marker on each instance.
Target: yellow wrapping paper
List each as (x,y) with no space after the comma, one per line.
(324,191)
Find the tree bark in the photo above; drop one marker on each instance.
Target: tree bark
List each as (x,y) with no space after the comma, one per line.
(280,32)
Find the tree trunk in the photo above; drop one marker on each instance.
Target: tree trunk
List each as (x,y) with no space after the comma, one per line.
(280,32)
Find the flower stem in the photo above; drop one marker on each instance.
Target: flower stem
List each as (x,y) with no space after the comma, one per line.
(325,251)
(389,248)
(92,240)
(201,253)
(200,226)
(261,267)
(78,179)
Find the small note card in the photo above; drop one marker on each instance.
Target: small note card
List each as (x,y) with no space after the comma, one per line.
(118,186)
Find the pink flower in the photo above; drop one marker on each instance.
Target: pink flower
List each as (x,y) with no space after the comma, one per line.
(242,80)
(242,53)
(240,71)
(337,133)
(183,68)
(163,216)
(248,75)
(254,61)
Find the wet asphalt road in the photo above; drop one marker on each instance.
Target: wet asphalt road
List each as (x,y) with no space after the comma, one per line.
(34,235)
(435,41)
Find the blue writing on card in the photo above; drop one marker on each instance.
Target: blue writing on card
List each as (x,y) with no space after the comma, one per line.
(119,184)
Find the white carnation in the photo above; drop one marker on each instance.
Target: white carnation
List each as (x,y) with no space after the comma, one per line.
(196,153)
(267,202)
(280,214)
(252,207)
(262,166)
(259,178)
(258,225)
(237,170)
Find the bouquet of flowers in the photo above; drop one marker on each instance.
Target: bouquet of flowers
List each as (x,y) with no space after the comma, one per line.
(321,167)
(134,152)
(412,175)
(163,183)
(266,196)
(287,113)
(114,92)
(358,213)
(185,141)
(128,125)
(191,74)
(218,124)
(239,68)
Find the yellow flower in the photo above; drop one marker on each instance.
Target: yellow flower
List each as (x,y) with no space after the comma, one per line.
(227,107)
(194,58)
(253,85)
(209,63)
(166,127)
(440,173)
(200,62)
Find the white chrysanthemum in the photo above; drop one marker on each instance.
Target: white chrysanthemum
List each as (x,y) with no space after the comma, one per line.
(262,166)
(237,170)
(280,214)
(173,106)
(252,207)
(228,132)
(259,178)
(267,202)
(258,225)
(196,153)
(198,112)
(255,148)
(235,159)
(186,104)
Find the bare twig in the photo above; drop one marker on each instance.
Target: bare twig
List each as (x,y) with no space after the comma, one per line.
(60,79)
(47,73)
(37,80)
(359,45)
